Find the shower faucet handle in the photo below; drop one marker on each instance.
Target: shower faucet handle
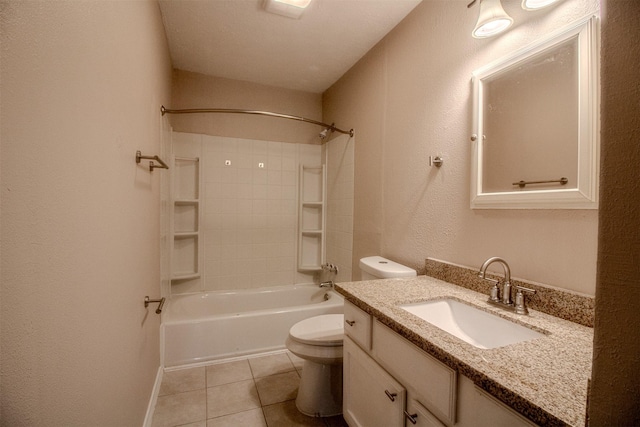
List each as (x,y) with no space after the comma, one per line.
(330,268)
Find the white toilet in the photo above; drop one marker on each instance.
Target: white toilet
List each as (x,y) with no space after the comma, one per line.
(318,340)
(376,267)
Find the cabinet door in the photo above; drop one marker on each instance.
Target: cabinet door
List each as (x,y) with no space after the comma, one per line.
(372,398)
(477,408)
(427,379)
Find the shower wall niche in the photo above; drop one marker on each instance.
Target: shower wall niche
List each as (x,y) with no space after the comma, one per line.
(312,217)
(186,259)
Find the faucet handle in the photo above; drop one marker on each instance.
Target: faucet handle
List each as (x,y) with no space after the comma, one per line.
(495,291)
(520,304)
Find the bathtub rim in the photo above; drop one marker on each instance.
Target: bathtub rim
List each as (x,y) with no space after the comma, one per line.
(300,307)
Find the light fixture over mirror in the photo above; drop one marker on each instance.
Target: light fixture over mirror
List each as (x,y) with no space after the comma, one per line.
(537,4)
(492,19)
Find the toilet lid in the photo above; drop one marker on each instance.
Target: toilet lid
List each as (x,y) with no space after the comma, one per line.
(327,329)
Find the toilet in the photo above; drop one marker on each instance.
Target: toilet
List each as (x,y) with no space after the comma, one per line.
(318,340)
(376,267)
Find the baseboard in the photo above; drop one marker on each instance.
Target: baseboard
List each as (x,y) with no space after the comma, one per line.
(148,418)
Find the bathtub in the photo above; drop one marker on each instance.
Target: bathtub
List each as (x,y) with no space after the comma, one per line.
(216,325)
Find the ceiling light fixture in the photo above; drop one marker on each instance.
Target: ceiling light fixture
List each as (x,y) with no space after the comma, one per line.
(536,4)
(492,19)
(289,8)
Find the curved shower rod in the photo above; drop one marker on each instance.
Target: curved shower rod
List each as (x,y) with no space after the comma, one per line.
(331,127)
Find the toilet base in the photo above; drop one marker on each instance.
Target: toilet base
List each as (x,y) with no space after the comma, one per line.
(320,391)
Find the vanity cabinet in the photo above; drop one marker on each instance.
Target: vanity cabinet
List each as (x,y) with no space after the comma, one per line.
(380,364)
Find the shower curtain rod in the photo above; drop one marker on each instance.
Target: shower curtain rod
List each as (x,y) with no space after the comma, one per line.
(261,113)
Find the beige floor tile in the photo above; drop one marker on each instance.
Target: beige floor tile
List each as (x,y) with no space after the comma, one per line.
(337,421)
(231,398)
(278,388)
(180,408)
(202,423)
(298,362)
(286,414)
(270,365)
(182,380)
(230,372)
(252,418)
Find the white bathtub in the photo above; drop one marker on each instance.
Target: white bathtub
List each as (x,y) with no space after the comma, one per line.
(216,325)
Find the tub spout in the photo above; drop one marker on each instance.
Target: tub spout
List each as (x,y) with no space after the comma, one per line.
(328,284)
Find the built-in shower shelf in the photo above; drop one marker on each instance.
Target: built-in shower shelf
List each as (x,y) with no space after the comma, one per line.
(187,276)
(186,253)
(183,234)
(311,218)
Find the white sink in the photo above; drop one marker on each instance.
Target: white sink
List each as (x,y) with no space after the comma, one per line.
(476,327)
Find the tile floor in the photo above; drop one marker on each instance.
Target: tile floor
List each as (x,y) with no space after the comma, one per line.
(258,391)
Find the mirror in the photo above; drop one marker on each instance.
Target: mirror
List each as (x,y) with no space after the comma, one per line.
(537,113)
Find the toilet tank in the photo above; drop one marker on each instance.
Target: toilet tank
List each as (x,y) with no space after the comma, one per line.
(377,267)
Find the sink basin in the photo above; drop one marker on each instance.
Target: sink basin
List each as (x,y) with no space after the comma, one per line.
(472,325)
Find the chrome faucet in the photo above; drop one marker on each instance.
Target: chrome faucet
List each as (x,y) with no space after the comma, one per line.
(520,306)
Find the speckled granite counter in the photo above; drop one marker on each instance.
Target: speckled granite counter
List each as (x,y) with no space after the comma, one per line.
(544,379)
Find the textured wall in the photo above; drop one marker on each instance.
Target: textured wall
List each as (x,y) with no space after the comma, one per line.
(193,90)
(409,98)
(615,390)
(82,84)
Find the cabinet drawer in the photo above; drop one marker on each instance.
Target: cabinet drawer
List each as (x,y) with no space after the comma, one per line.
(429,380)
(417,415)
(357,325)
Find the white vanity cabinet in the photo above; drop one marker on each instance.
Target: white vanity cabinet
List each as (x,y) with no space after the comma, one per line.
(380,364)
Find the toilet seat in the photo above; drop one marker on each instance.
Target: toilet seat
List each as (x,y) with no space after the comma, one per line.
(324,330)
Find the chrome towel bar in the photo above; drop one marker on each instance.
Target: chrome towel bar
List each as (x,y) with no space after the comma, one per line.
(147,301)
(152,165)
(522,184)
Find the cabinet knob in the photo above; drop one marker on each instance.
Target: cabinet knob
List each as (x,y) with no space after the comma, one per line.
(391,396)
(350,322)
(411,417)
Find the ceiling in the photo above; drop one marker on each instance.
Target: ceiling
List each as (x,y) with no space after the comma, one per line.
(238,39)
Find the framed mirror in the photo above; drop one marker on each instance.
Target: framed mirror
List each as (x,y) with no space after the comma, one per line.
(536,125)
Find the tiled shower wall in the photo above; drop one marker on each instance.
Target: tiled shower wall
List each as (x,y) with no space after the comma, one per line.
(249,202)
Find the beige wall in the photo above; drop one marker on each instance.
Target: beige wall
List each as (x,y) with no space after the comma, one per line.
(82,84)
(409,98)
(615,390)
(193,90)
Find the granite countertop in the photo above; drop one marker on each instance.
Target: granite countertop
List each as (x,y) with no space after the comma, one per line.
(545,379)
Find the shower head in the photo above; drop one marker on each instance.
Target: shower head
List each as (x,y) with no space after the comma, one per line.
(326,132)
